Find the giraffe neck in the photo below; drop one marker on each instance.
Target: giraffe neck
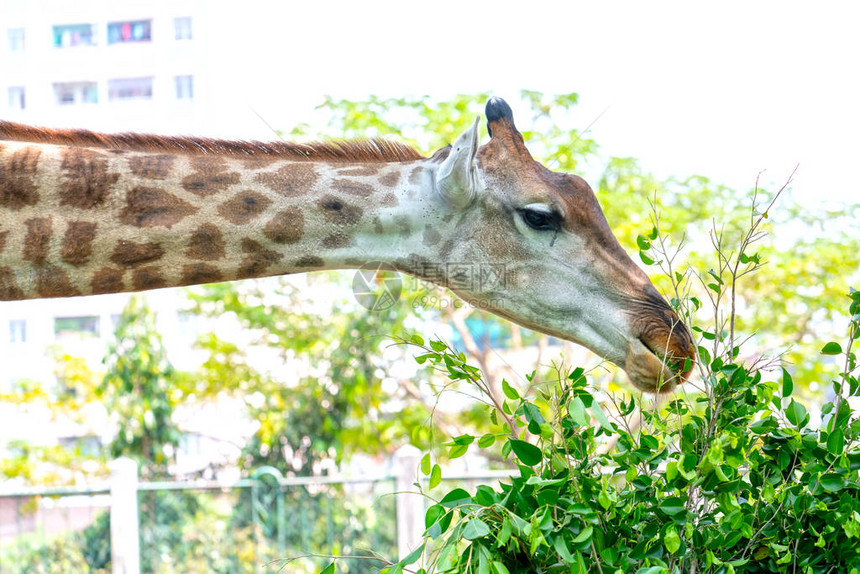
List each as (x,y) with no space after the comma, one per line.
(79,221)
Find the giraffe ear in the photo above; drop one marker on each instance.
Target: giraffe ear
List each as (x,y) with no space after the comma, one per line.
(457,178)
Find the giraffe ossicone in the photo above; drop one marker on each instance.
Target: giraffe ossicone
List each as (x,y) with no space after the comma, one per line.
(83,213)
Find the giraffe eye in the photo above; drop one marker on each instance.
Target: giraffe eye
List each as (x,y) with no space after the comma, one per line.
(540,219)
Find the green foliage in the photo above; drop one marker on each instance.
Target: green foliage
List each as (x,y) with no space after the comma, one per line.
(138,391)
(734,480)
(84,551)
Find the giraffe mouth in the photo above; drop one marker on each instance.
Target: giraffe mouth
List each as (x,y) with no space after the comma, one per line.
(655,370)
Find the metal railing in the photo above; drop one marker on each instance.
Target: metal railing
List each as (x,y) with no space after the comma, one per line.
(266,523)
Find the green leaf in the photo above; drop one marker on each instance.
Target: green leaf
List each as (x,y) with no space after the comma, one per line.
(584,536)
(796,414)
(509,391)
(328,569)
(836,441)
(487,441)
(653,234)
(643,243)
(425,464)
(561,548)
(417,339)
(475,528)
(672,505)
(831,481)
(672,540)
(457,450)
(601,417)
(528,453)
(412,556)
(435,476)
(577,411)
(787,383)
(831,348)
(438,346)
(645,259)
(455,498)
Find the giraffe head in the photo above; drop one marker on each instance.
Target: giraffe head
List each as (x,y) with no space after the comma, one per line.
(565,273)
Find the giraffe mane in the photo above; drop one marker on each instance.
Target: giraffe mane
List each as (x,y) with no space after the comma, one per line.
(374,150)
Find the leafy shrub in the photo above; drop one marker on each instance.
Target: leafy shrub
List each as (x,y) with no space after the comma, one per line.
(734,481)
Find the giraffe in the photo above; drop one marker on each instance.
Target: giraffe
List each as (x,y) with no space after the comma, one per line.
(83,213)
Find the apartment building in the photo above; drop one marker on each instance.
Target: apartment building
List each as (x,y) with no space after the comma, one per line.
(105,65)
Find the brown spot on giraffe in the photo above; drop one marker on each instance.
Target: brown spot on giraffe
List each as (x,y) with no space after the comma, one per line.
(291,179)
(244,207)
(369,169)
(107,280)
(206,243)
(3,235)
(87,181)
(198,273)
(287,226)
(389,200)
(257,258)
(151,166)
(257,162)
(78,242)
(338,212)
(51,281)
(309,261)
(351,187)
(415,175)
(336,240)
(9,290)
(37,242)
(210,176)
(390,179)
(17,178)
(154,207)
(131,254)
(147,278)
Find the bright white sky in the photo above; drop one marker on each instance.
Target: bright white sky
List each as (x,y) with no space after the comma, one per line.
(725,90)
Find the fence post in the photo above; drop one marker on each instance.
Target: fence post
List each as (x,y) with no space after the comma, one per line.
(410,504)
(124,525)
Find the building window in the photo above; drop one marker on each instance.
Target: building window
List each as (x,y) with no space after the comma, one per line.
(74,35)
(182,28)
(18,331)
(17,98)
(184,87)
(132,31)
(64,326)
(16,39)
(68,93)
(130,89)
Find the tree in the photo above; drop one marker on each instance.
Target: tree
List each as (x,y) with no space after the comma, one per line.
(139,391)
(321,393)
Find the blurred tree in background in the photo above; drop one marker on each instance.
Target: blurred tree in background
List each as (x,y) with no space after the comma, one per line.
(140,393)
